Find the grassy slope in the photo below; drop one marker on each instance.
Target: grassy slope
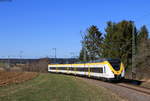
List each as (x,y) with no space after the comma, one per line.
(54,87)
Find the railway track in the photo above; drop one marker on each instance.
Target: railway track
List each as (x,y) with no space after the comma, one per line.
(136,88)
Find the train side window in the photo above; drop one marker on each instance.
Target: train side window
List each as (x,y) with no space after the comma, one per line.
(71,69)
(80,69)
(86,69)
(62,68)
(53,68)
(97,70)
(100,70)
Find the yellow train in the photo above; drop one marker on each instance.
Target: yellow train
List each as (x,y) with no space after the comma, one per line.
(106,69)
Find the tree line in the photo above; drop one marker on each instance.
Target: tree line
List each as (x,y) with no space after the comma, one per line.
(120,40)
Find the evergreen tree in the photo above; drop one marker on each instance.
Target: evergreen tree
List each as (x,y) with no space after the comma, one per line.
(118,41)
(93,41)
(108,40)
(143,54)
(143,34)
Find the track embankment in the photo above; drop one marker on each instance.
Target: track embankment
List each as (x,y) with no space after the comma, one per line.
(128,92)
(136,88)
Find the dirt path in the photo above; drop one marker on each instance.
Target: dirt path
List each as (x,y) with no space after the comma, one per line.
(125,93)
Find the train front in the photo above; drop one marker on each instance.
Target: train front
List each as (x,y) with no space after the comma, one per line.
(117,68)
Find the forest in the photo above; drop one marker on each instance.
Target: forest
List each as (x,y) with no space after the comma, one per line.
(122,40)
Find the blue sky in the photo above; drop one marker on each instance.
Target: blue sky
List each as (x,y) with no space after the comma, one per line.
(37,26)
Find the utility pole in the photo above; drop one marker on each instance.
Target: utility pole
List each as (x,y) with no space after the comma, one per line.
(55,53)
(133,71)
(84,48)
(85,53)
(21,56)
(72,54)
(8,65)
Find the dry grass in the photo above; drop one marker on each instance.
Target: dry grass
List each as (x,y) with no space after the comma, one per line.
(15,77)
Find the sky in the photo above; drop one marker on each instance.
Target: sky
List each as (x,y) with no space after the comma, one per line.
(33,28)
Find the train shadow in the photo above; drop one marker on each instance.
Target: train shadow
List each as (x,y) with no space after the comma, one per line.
(132,81)
(129,81)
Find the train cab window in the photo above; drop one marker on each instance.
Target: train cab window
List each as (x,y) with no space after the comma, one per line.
(115,64)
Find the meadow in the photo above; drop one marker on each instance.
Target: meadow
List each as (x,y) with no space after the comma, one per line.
(55,87)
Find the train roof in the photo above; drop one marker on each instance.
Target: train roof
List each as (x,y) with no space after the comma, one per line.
(104,59)
(98,60)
